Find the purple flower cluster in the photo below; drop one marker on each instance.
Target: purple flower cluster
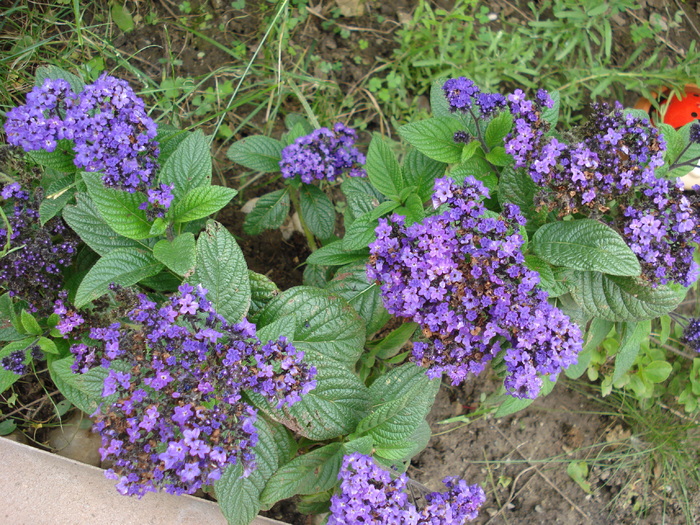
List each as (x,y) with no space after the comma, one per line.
(691,334)
(369,495)
(16,361)
(107,123)
(174,416)
(462,276)
(31,269)
(323,155)
(610,172)
(462,95)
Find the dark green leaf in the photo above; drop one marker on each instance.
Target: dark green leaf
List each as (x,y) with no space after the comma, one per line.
(315,275)
(83,390)
(434,137)
(269,212)
(121,266)
(57,196)
(631,338)
(189,166)
(547,280)
(439,106)
(86,221)
(587,245)
(406,449)
(30,324)
(55,72)
(383,169)
(551,115)
(119,209)
(318,211)
(262,291)
(238,496)
(597,332)
(327,326)
(400,401)
(179,255)
(498,157)
(333,254)
(60,159)
(309,473)
(201,202)
(222,270)
(498,128)
(621,298)
(351,284)
(361,196)
(7,378)
(258,153)
(360,233)
(516,187)
(478,168)
(421,171)
(394,341)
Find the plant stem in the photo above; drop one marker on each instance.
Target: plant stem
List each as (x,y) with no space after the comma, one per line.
(296,206)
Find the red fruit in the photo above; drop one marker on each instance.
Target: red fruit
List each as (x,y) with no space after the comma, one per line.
(683,110)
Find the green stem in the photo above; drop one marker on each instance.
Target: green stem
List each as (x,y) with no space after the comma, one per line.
(296,205)
(6,248)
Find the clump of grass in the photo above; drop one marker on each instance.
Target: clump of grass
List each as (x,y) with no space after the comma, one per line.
(564,45)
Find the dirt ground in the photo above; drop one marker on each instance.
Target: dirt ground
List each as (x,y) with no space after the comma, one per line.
(505,455)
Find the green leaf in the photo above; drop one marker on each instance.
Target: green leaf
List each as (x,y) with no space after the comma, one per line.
(511,405)
(189,166)
(60,159)
(548,281)
(119,209)
(159,227)
(351,284)
(85,220)
(551,115)
(334,254)
(257,152)
(333,408)
(674,143)
(400,401)
(30,323)
(657,371)
(57,196)
(421,171)
(317,276)
(122,17)
(360,233)
(47,345)
(363,445)
(238,496)
(516,187)
(262,291)
(169,139)
(122,266)
(631,338)
(621,298)
(83,390)
(406,449)
(222,270)
(383,169)
(318,211)
(284,326)
(578,471)
(383,209)
(394,341)
(269,212)
(361,196)
(201,202)
(479,169)
(587,245)
(434,137)
(309,473)
(439,106)
(327,326)
(54,73)
(498,157)
(7,378)
(179,255)
(498,128)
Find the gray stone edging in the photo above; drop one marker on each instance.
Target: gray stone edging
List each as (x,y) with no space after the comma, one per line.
(40,488)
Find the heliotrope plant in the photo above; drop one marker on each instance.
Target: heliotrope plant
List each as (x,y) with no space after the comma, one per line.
(496,240)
